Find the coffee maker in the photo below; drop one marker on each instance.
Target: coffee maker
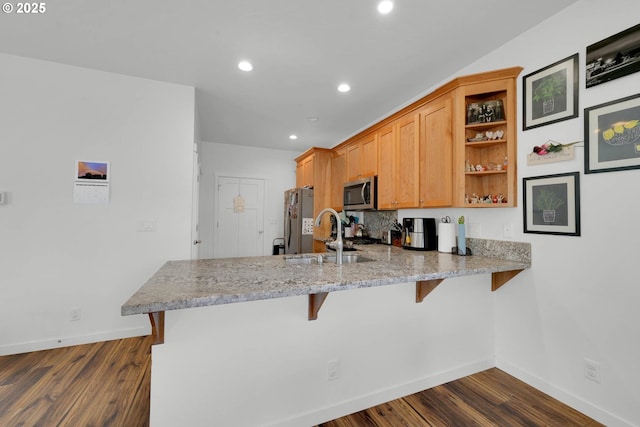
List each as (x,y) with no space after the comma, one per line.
(419,234)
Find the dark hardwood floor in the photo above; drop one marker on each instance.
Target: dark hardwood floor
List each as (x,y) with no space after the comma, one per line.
(102,384)
(488,398)
(108,384)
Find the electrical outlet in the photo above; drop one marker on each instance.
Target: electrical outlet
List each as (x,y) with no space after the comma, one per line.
(75,314)
(592,370)
(508,230)
(333,369)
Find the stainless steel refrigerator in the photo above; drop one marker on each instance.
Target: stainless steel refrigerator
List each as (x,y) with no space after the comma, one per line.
(298,221)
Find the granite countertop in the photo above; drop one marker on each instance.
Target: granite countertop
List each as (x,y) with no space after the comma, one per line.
(198,283)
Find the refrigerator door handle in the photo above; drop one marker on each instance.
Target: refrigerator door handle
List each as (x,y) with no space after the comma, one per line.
(288,233)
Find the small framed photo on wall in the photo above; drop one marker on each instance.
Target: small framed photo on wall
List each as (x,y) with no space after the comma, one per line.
(614,57)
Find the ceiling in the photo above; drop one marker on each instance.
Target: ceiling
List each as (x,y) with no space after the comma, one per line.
(301,50)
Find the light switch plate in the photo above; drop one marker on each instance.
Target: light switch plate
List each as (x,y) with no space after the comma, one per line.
(475,229)
(147,225)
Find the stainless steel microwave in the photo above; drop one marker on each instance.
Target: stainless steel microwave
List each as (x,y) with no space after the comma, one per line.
(361,194)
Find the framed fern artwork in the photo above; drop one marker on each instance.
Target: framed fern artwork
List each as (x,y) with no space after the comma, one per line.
(552,204)
(550,94)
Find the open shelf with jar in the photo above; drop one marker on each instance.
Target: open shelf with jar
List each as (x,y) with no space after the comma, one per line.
(486,147)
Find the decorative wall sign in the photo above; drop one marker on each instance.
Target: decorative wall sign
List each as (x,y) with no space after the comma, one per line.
(550,94)
(552,204)
(612,135)
(613,57)
(550,152)
(238,204)
(567,153)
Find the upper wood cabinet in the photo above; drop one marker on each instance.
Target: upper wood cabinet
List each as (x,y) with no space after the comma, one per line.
(370,155)
(407,161)
(304,172)
(314,169)
(338,178)
(436,153)
(485,147)
(398,163)
(354,161)
(386,167)
(362,157)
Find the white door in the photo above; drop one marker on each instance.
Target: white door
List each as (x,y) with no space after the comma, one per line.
(239,217)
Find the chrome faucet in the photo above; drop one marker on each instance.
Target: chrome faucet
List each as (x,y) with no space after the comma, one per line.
(336,244)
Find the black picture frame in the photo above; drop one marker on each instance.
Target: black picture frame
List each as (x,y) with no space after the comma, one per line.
(612,135)
(550,94)
(552,204)
(614,57)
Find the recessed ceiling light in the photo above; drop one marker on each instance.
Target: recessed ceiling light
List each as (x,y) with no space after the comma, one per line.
(343,87)
(293,137)
(245,65)
(385,7)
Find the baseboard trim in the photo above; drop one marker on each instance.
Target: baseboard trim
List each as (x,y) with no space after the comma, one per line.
(377,397)
(50,343)
(601,415)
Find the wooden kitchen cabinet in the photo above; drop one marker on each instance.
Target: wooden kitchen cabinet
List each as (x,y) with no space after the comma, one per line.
(436,153)
(313,168)
(338,178)
(370,155)
(354,161)
(486,151)
(398,163)
(304,172)
(386,167)
(362,157)
(407,161)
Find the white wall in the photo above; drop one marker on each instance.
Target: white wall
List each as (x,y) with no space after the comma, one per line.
(56,255)
(581,298)
(263,363)
(276,167)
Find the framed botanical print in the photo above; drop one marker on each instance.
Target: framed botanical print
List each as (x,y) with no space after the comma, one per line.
(550,94)
(552,204)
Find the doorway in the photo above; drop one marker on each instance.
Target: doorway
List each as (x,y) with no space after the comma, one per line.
(239,218)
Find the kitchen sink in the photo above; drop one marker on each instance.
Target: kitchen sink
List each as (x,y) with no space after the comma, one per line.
(347,258)
(301,260)
(326,258)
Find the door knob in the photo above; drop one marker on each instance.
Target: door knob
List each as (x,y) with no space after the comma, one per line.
(197,242)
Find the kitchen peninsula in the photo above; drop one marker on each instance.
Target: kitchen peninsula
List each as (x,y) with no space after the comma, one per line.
(198,283)
(280,352)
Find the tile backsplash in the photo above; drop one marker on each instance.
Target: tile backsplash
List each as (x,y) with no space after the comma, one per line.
(378,221)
